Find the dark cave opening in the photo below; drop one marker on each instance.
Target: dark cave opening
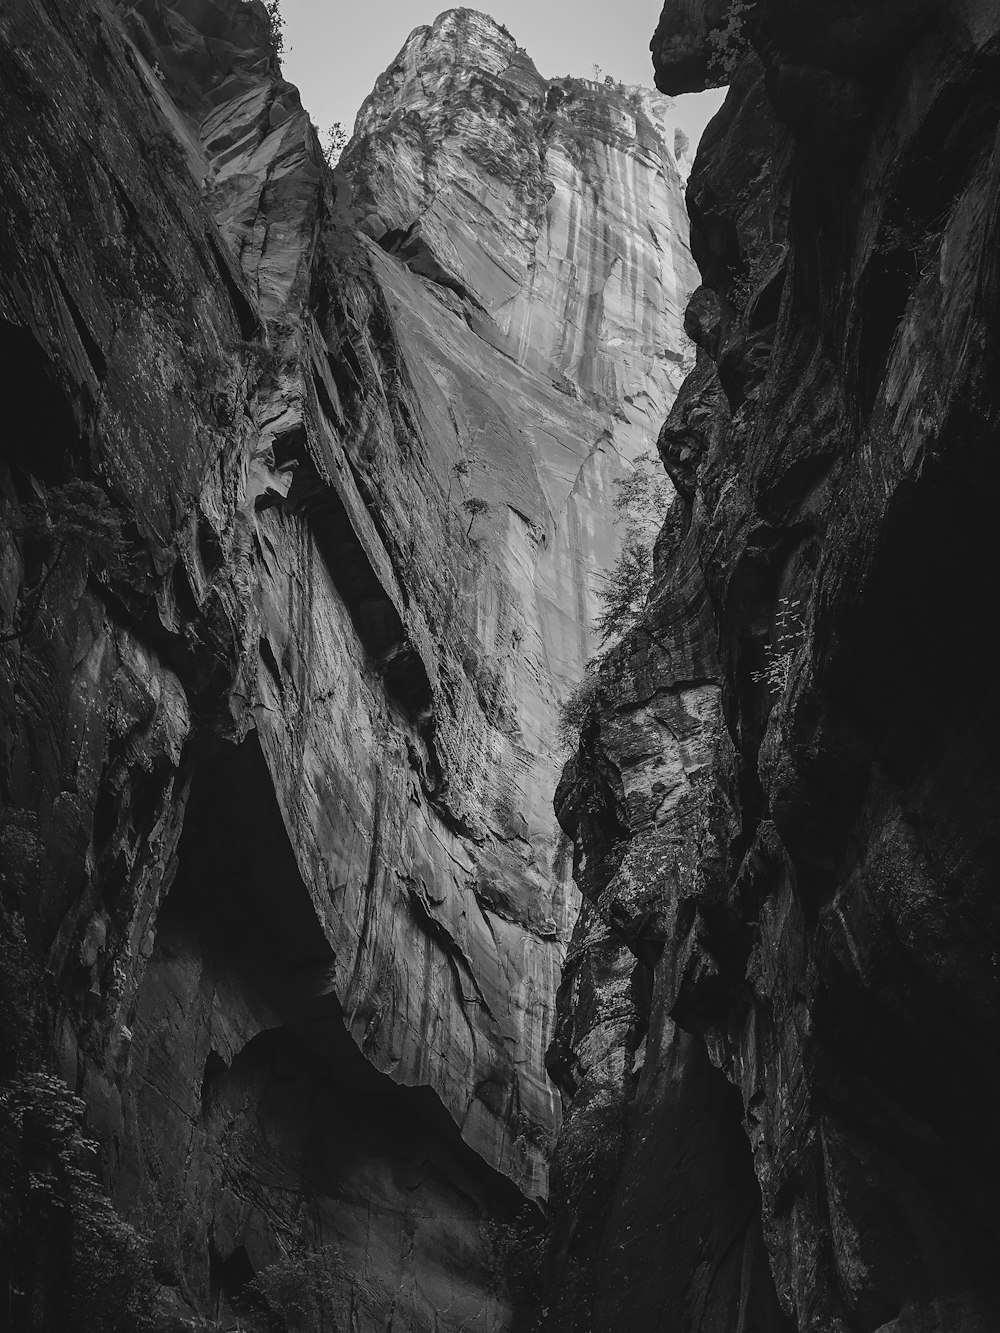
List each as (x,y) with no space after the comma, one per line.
(296,1118)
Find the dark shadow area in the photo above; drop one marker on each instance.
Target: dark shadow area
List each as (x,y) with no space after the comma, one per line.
(374,615)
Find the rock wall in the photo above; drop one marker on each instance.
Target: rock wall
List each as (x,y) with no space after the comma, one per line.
(780,1008)
(306,487)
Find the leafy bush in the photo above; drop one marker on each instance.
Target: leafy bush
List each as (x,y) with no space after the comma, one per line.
(275,25)
(644,492)
(65,1223)
(474,507)
(780,652)
(576,708)
(516,1254)
(589,1152)
(642,500)
(20,977)
(729,43)
(163,150)
(334,143)
(623,591)
(298,1291)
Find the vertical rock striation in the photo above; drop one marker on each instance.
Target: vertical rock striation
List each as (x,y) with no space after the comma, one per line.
(782,807)
(304,496)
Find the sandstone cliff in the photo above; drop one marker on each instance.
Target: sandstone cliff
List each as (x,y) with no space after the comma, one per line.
(780,1010)
(305,487)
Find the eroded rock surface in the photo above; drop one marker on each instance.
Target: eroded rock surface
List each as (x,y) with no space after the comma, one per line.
(782,804)
(280,681)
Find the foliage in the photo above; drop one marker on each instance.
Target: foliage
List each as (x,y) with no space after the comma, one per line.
(728,43)
(80,515)
(516,1254)
(474,507)
(780,652)
(744,283)
(298,1291)
(643,497)
(624,590)
(460,469)
(334,143)
(576,708)
(644,493)
(20,978)
(164,152)
(590,1147)
(107,1284)
(682,144)
(275,26)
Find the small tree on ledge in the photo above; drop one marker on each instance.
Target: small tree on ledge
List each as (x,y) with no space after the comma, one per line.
(334,143)
(474,507)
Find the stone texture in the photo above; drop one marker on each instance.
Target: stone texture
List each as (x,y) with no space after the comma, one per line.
(277,775)
(781,803)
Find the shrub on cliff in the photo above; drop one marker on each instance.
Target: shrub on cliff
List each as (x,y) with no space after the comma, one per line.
(275,25)
(589,1151)
(642,500)
(728,43)
(779,653)
(297,1291)
(517,1252)
(474,507)
(20,978)
(576,708)
(66,1250)
(623,591)
(334,143)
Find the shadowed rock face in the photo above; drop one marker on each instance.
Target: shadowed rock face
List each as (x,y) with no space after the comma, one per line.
(279,701)
(780,807)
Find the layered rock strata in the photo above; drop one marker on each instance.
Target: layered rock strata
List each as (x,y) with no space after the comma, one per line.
(305,491)
(782,805)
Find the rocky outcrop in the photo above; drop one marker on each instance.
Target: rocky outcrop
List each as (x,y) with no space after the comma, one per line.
(781,804)
(305,491)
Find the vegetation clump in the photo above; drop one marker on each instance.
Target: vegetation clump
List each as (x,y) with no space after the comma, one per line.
(474,507)
(729,42)
(576,708)
(589,1153)
(58,1219)
(297,1291)
(780,652)
(642,500)
(275,26)
(334,143)
(517,1254)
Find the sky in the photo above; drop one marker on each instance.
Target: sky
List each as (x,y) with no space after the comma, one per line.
(335,49)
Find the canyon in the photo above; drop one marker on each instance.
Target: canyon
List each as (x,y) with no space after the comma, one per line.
(305,509)
(335,992)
